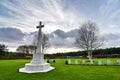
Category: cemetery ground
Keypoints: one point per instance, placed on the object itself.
(9, 71)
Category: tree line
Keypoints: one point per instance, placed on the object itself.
(99, 53)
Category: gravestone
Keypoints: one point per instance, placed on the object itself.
(83, 61)
(76, 61)
(99, 62)
(91, 62)
(69, 61)
(108, 62)
(118, 62)
(38, 64)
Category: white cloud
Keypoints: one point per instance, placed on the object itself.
(27, 13)
(112, 43)
(108, 11)
(113, 26)
(57, 50)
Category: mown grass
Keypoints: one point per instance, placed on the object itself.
(9, 71)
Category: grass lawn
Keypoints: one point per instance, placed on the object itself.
(9, 71)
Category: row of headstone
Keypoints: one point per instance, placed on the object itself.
(100, 62)
(91, 62)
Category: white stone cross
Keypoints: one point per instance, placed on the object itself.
(38, 64)
(38, 57)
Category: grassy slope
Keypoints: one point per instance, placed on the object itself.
(8, 71)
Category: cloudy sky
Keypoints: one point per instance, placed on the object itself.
(22, 16)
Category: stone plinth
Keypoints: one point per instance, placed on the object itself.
(36, 68)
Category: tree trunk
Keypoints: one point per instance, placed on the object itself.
(89, 55)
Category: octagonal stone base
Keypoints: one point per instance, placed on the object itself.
(36, 68)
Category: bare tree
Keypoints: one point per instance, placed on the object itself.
(23, 49)
(28, 49)
(32, 49)
(45, 42)
(3, 48)
(89, 38)
(20, 49)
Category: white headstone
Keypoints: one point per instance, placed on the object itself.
(83, 61)
(69, 61)
(118, 62)
(108, 62)
(99, 62)
(91, 62)
(76, 61)
(38, 64)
